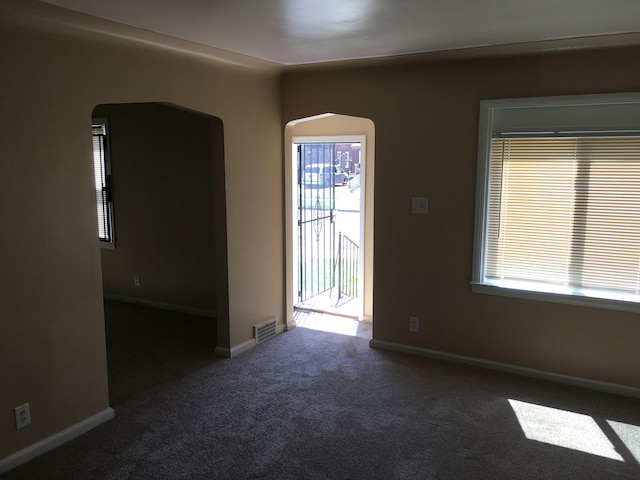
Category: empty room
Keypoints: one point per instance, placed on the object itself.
(498, 324)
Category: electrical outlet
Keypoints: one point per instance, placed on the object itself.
(420, 205)
(23, 416)
(136, 280)
(414, 324)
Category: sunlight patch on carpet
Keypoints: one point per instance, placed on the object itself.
(630, 436)
(563, 429)
(329, 323)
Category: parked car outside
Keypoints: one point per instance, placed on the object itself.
(324, 175)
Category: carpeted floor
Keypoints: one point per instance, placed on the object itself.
(310, 404)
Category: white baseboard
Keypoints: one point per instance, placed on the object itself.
(55, 440)
(222, 352)
(201, 312)
(606, 387)
(233, 351)
(243, 347)
(291, 325)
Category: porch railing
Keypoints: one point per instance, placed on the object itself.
(347, 270)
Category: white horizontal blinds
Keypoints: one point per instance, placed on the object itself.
(531, 209)
(565, 211)
(101, 179)
(609, 217)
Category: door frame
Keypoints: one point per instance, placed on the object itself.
(334, 128)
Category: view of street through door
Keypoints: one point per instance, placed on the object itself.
(329, 228)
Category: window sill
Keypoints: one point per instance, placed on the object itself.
(605, 300)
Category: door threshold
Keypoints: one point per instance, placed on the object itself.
(327, 311)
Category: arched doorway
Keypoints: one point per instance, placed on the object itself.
(164, 268)
(309, 201)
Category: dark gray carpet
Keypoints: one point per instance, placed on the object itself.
(315, 405)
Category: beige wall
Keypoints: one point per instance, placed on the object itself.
(426, 119)
(162, 168)
(56, 68)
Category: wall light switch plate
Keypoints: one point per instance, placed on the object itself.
(419, 205)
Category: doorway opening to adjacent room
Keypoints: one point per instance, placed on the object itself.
(164, 270)
(329, 207)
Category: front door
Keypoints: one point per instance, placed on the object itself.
(316, 219)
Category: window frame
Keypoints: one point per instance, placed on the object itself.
(580, 113)
(109, 243)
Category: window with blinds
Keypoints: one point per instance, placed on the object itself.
(565, 211)
(102, 181)
(559, 209)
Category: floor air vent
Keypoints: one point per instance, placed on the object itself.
(265, 330)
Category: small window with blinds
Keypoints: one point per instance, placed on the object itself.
(558, 214)
(102, 175)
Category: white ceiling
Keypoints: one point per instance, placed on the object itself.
(294, 32)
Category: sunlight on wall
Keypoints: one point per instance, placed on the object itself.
(564, 429)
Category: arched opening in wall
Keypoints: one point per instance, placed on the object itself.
(159, 175)
(329, 171)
